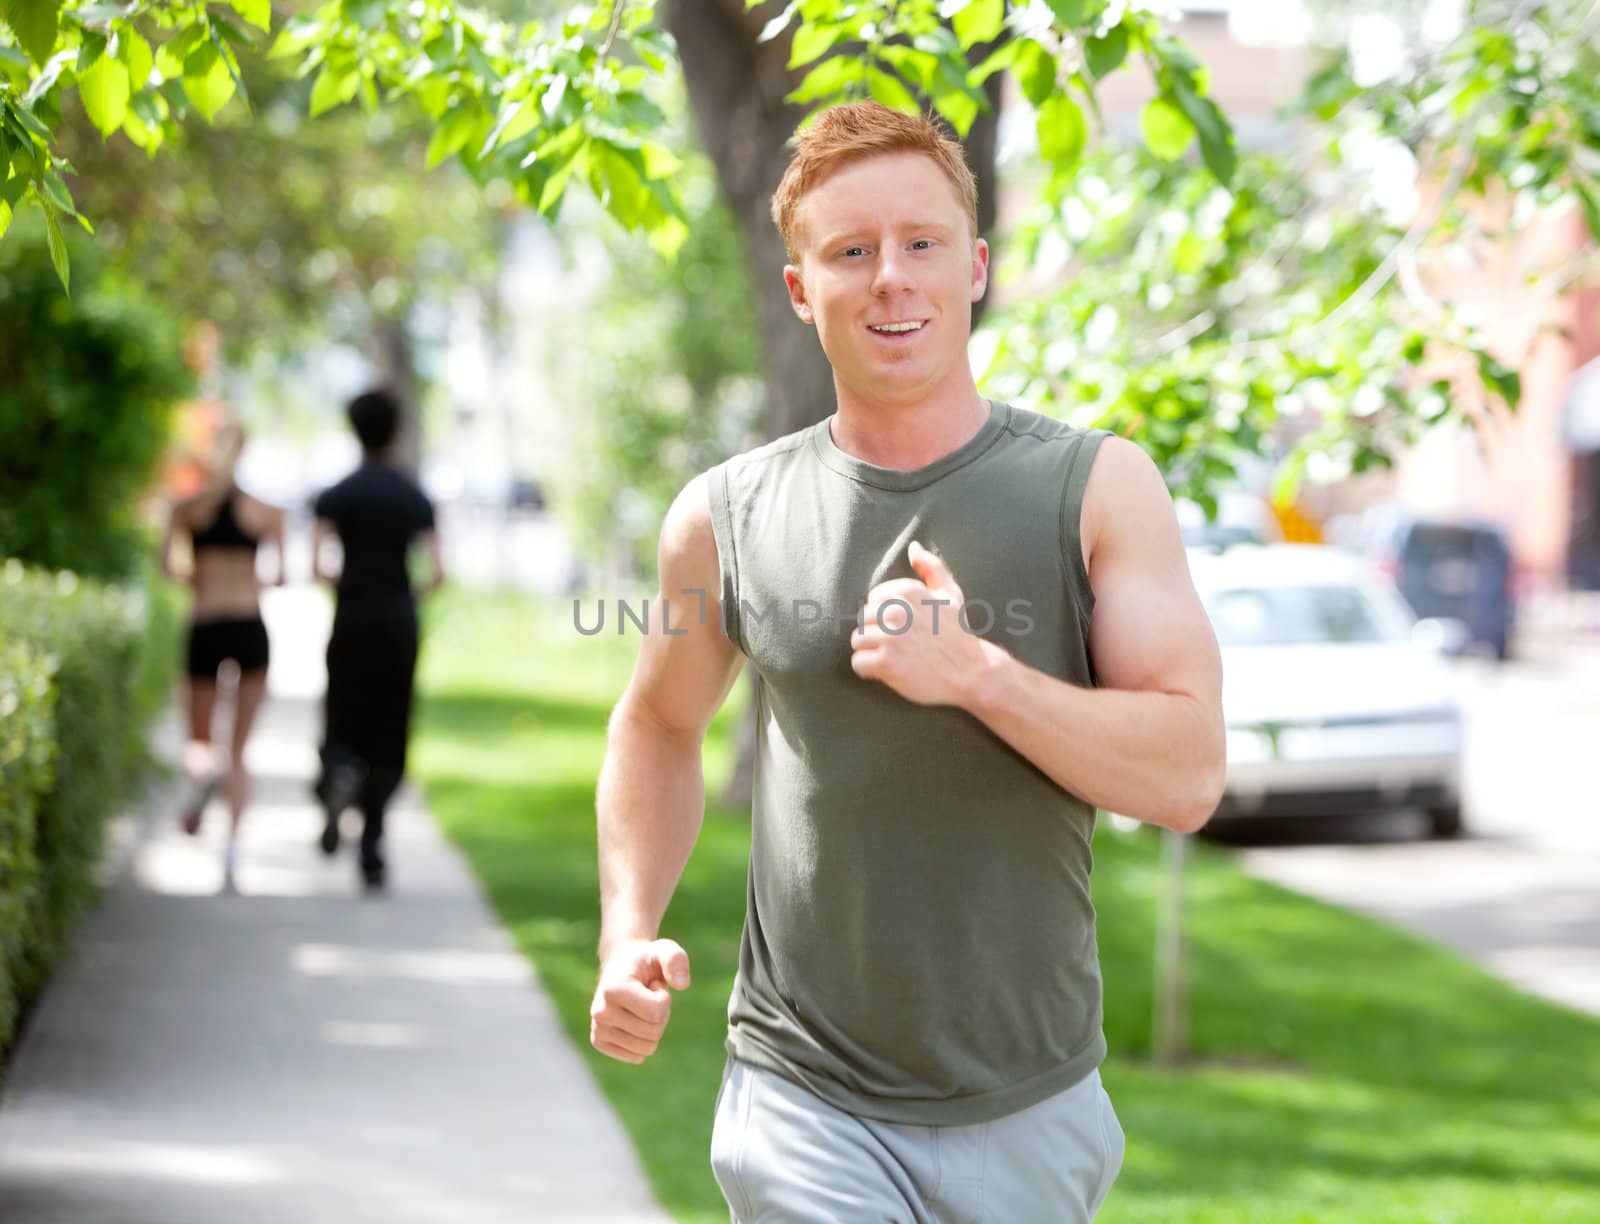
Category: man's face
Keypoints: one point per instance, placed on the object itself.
(888, 273)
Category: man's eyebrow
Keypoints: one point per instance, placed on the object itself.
(925, 227)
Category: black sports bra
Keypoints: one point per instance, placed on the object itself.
(224, 531)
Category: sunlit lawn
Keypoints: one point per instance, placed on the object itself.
(1343, 1072)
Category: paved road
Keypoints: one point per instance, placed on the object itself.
(1521, 892)
(301, 1053)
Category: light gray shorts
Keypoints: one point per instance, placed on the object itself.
(781, 1153)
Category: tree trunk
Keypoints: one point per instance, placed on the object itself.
(736, 90)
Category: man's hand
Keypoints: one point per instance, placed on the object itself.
(634, 997)
(924, 654)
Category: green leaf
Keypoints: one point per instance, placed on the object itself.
(1166, 130)
(207, 81)
(516, 120)
(959, 108)
(1105, 55)
(1589, 197)
(368, 13)
(136, 57)
(5, 218)
(979, 21)
(58, 247)
(1216, 136)
(556, 185)
(667, 236)
(915, 66)
(1071, 13)
(1506, 382)
(620, 186)
(999, 59)
(938, 41)
(1063, 132)
(639, 113)
(139, 132)
(1326, 92)
(659, 162)
(34, 24)
(453, 131)
(170, 55)
(336, 85)
(232, 65)
(826, 80)
(890, 90)
(812, 42)
(296, 37)
(104, 89)
(257, 12)
(554, 95)
(1036, 72)
(30, 121)
(14, 188)
(55, 190)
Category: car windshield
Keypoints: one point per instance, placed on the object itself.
(1302, 615)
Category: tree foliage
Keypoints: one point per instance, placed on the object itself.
(293, 230)
(86, 389)
(665, 358)
(546, 103)
(1213, 297)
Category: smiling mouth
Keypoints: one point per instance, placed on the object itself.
(897, 329)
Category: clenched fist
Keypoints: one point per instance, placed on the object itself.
(911, 637)
(634, 997)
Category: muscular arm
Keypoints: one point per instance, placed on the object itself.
(652, 794)
(429, 540)
(1149, 741)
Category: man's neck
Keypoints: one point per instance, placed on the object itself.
(904, 437)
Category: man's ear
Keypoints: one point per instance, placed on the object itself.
(980, 269)
(797, 294)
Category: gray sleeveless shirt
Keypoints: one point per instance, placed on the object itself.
(919, 942)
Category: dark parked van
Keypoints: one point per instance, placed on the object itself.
(1452, 569)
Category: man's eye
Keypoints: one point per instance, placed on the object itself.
(855, 250)
(922, 244)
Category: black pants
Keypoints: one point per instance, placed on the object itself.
(372, 662)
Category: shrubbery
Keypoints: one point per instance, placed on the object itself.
(87, 385)
(83, 667)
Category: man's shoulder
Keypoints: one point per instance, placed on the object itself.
(778, 450)
(1025, 423)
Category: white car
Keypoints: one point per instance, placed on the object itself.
(1336, 698)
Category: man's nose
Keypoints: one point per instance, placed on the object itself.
(891, 274)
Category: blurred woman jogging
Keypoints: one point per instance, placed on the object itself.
(224, 527)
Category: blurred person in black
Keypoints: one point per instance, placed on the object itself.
(377, 513)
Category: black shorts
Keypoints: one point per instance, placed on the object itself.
(210, 642)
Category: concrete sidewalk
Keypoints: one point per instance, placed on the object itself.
(301, 1052)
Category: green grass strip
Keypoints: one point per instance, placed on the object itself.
(1342, 1072)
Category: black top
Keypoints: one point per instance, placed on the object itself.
(377, 511)
(224, 531)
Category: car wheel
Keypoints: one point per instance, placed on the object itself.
(1446, 820)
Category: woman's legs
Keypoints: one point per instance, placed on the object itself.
(251, 689)
(199, 762)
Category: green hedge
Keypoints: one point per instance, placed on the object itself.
(87, 386)
(83, 668)
(27, 753)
